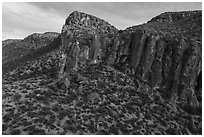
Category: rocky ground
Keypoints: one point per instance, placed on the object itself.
(100, 100)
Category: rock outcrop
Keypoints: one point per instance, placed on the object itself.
(163, 52)
(144, 80)
(81, 39)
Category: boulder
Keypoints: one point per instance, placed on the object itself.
(93, 97)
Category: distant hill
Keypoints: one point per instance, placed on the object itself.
(8, 41)
(17, 52)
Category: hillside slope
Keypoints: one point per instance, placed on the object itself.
(146, 79)
(17, 52)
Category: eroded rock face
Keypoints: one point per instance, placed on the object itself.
(83, 40)
(164, 59)
(113, 85)
(88, 21)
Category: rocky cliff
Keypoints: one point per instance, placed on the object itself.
(163, 52)
(144, 80)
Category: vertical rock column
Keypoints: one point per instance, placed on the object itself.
(148, 56)
(190, 73)
(95, 52)
(70, 50)
(156, 76)
(136, 48)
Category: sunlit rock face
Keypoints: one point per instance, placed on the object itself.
(162, 52)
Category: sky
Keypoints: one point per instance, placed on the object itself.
(22, 19)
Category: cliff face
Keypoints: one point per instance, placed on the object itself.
(162, 52)
(145, 79)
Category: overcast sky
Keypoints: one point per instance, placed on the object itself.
(22, 19)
